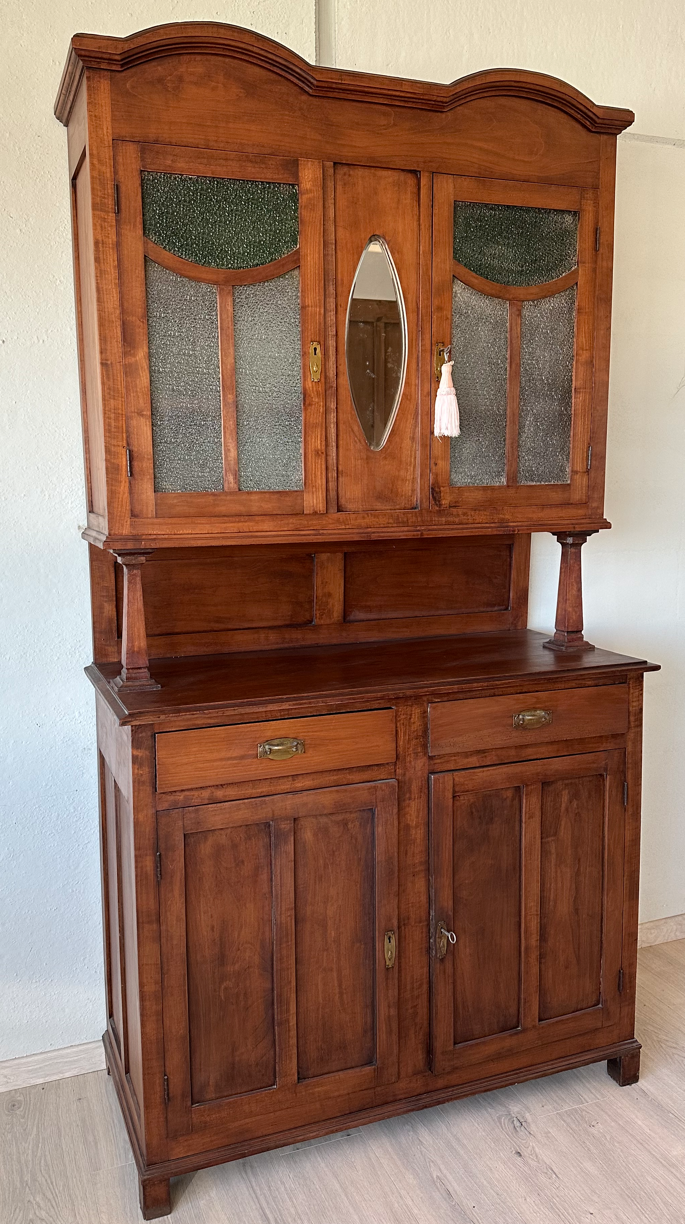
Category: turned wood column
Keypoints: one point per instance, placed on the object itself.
(568, 633)
(135, 672)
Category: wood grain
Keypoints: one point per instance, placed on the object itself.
(460, 726)
(224, 754)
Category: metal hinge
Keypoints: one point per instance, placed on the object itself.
(597, 233)
(129, 469)
(620, 981)
(158, 858)
(625, 794)
(116, 197)
(589, 458)
(166, 1089)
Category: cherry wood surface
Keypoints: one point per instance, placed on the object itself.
(216, 755)
(298, 893)
(341, 672)
(274, 969)
(488, 722)
(162, 100)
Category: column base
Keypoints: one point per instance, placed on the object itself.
(567, 641)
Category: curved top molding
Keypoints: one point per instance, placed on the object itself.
(215, 38)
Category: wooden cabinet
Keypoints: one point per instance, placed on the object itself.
(368, 843)
(527, 878)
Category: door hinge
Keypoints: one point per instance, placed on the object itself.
(129, 469)
(166, 1089)
(620, 981)
(158, 862)
(116, 197)
(625, 794)
(597, 234)
(589, 458)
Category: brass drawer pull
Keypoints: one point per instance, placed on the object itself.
(280, 749)
(442, 936)
(529, 720)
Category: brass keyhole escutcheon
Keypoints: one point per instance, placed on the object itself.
(315, 361)
(443, 936)
(389, 948)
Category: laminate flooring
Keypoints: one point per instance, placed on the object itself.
(569, 1149)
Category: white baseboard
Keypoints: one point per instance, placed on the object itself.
(51, 1065)
(661, 930)
(82, 1059)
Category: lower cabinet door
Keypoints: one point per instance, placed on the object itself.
(278, 920)
(527, 892)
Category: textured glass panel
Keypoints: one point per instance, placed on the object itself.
(220, 222)
(185, 388)
(268, 376)
(375, 346)
(479, 348)
(513, 245)
(547, 337)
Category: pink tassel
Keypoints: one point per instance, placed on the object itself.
(446, 406)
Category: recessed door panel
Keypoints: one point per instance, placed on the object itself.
(377, 316)
(571, 881)
(229, 941)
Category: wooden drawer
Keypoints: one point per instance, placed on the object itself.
(213, 756)
(489, 722)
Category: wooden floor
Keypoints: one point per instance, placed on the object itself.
(571, 1148)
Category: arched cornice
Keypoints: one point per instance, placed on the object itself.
(215, 38)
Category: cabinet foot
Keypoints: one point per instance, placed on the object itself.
(155, 1197)
(626, 1069)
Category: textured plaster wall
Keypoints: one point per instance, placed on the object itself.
(626, 52)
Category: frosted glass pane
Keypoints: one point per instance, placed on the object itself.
(479, 349)
(220, 222)
(185, 387)
(546, 397)
(268, 375)
(513, 245)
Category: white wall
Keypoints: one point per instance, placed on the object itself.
(621, 52)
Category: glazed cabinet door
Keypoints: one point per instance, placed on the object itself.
(514, 296)
(221, 287)
(278, 920)
(527, 898)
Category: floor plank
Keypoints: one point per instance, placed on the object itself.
(568, 1149)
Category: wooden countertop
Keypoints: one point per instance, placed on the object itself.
(377, 670)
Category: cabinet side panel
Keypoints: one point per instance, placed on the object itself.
(130, 941)
(335, 942)
(113, 915)
(571, 869)
(487, 913)
(89, 348)
(229, 926)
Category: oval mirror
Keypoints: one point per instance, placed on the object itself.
(376, 342)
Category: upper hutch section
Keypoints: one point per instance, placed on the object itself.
(271, 259)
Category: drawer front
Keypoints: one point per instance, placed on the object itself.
(527, 718)
(213, 756)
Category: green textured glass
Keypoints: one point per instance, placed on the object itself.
(220, 222)
(513, 245)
